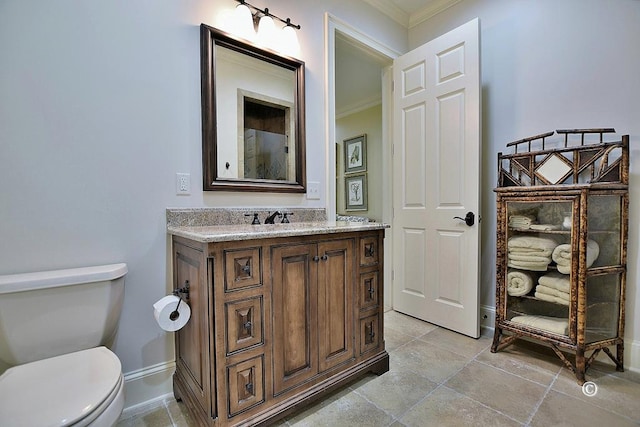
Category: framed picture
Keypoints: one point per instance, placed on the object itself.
(356, 192)
(355, 154)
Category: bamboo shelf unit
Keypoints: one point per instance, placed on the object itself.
(562, 223)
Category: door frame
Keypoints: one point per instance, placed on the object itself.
(332, 24)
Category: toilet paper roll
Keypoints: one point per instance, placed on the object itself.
(164, 310)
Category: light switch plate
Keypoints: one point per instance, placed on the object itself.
(313, 190)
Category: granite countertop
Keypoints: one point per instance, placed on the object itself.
(225, 233)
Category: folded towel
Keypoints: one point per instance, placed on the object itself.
(550, 324)
(562, 256)
(529, 265)
(519, 256)
(544, 227)
(541, 244)
(519, 283)
(551, 298)
(555, 281)
(553, 292)
(521, 221)
(552, 295)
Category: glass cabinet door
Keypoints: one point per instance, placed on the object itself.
(538, 259)
(604, 258)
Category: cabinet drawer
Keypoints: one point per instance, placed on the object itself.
(369, 251)
(246, 384)
(369, 290)
(369, 333)
(243, 323)
(242, 269)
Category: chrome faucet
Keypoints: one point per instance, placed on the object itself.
(271, 218)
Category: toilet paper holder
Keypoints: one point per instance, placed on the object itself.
(179, 292)
(183, 290)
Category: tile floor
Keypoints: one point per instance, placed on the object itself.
(441, 378)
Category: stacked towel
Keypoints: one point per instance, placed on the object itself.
(519, 283)
(554, 287)
(556, 281)
(562, 256)
(550, 324)
(521, 221)
(544, 227)
(530, 252)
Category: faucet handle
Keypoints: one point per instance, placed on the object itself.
(256, 220)
(285, 220)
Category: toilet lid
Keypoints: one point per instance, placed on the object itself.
(58, 391)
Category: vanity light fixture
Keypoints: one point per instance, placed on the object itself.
(248, 16)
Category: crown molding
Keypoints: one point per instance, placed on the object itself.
(391, 10)
(361, 105)
(434, 8)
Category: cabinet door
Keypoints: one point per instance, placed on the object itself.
(243, 324)
(192, 341)
(335, 302)
(295, 334)
(540, 253)
(369, 333)
(246, 385)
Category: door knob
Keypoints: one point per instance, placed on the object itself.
(469, 218)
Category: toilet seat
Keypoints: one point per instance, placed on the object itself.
(76, 388)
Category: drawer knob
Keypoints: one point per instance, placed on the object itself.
(369, 250)
(247, 326)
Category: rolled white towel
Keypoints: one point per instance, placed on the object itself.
(519, 283)
(550, 324)
(556, 281)
(562, 256)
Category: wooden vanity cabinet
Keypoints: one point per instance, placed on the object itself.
(276, 323)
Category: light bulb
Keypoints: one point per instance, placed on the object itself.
(289, 44)
(243, 25)
(267, 32)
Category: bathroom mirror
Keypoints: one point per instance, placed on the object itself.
(253, 133)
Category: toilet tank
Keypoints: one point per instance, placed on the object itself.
(49, 313)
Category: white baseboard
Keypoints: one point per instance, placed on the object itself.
(487, 318)
(632, 356)
(146, 387)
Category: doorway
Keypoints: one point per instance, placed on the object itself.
(359, 77)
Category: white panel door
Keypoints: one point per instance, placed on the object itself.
(436, 177)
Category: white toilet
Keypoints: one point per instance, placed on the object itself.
(54, 327)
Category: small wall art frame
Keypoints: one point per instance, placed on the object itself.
(355, 154)
(356, 192)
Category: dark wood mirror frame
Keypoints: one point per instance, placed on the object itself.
(210, 38)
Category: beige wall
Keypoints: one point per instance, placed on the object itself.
(367, 122)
